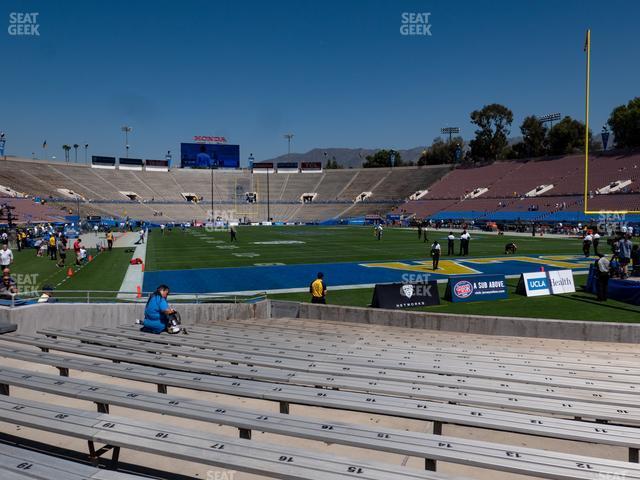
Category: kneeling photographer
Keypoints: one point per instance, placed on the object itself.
(158, 315)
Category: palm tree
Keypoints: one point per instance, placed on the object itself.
(66, 149)
(75, 146)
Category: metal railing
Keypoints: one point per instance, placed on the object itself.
(109, 296)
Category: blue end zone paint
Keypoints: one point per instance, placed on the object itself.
(260, 279)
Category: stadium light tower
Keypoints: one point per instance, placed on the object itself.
(288, 136)
(449, 131)
(127, 130)
(549, 118)
(86, 146)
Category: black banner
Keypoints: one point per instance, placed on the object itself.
(136, 162)
(311, 166)
(97, 160)
(405, 295)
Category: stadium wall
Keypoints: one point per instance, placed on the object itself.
(32, 318)
(476, 324)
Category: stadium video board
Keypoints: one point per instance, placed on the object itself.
(209, 155)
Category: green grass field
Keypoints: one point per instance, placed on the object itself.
(200, 249)
(197, 249)
(105, 272)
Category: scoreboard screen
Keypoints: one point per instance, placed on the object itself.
(209, 155)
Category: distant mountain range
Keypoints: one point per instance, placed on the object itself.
(347, 157)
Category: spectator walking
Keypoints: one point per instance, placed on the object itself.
(232, 234)
(62, 250)
(451, 239)
(8, 287)
(109, 240)
(624, 254)
(318, 289)
(464, 243)
(6, 257)
(602, 275)
(77, 245)
(596, 242)
(435, 254)
(52, 247)
(586, 244)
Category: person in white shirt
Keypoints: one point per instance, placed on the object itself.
(586, 244)
(162, 227)
(602, 274)
(435, 254)
(596, 241)
(6, 256)
(630, 230)
(450, 243)
(464, 243)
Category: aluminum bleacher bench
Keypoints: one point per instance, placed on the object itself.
(258, 458)
(519, 460)
(436, 362)
(625, 415)
(23, 464)
(439, 413)
(417, 339)
(561, 387)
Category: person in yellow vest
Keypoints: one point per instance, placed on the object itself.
(110, 239)
(318, 289)
(52, 247)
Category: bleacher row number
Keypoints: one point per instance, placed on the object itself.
(284, 458)
(355, 470)
(24, 466)
(18, 407)
(218, 446)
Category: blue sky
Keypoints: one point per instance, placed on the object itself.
(334, 73)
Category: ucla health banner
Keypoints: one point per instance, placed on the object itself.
(474, 288)
(536, 284)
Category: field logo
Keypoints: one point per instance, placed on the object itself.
(463, 289)
(407, 290)
(24, 24)
(415, 24)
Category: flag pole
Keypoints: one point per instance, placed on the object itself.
(587, 48)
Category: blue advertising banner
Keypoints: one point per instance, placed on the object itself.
(475, 288)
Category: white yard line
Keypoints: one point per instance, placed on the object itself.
(135, 274)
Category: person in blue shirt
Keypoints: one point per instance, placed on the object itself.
(156, 311)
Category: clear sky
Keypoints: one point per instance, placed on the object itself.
(334, 73)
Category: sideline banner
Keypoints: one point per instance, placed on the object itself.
(405, 295)
(536, 284)
(474, 288)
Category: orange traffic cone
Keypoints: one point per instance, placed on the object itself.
(139, 294)
(90, 257)
(70, 272)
